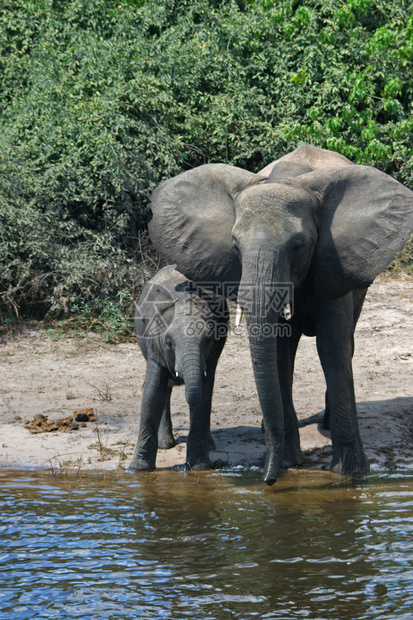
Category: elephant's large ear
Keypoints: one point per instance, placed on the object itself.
(365, 217)
(193, 217)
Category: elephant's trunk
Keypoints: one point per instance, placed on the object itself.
(264, 362)
(191, 365)
(262, 319)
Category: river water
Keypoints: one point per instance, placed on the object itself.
(210, 546)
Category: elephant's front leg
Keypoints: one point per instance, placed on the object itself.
(335, 327)
(358, 300)
(286, 350)
(154, 399)
(326, 416)
(199, 437)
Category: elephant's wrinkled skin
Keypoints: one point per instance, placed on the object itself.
(181, 331)
(311, 218)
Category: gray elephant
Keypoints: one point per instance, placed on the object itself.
(181, 330)
(308, 234)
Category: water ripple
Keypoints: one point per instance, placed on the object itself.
(205, 547)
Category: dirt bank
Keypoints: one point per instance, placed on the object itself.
(56, 377)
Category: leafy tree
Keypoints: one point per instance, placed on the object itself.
(101, 100)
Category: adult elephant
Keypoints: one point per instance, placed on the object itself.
(313, 219)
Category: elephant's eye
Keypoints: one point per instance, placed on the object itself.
(298, 246)
(169, 344)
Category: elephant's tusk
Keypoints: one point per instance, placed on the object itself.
(238, 316)
(205, 373)
(176, 374)
(286, 312)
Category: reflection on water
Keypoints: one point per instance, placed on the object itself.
(205, 546)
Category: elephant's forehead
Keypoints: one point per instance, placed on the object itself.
(275, 200)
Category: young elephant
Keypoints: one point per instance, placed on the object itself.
(181, 330)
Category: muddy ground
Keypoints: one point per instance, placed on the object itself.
(45, 375)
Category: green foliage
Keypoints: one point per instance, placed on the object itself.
(403, 263)
(101, 100)
(114, 320)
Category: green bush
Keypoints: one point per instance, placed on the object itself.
(102, 100)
